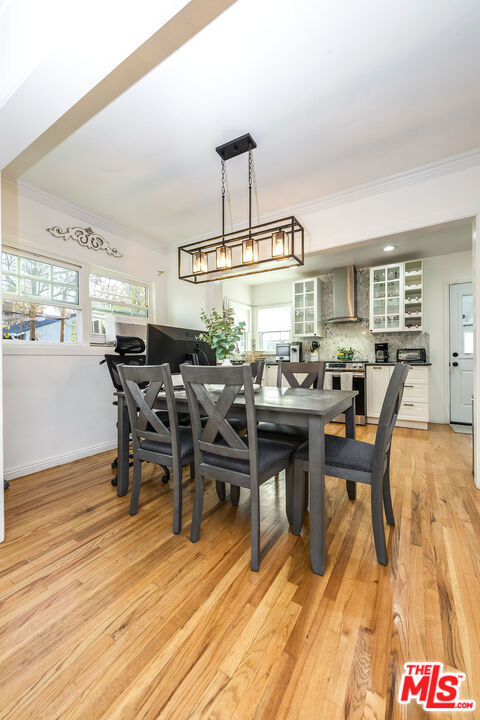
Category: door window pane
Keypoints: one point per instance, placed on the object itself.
(467, 333)
(467, 309)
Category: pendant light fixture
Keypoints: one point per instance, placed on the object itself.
(257, 248)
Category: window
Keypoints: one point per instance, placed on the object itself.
(110, 296)
(40, 299)
(243, 313)
(273, 326)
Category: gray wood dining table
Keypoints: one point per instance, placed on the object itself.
(311, 409)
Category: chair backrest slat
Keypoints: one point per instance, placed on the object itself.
(142, 386)
(388, 417)
(202, 399)
(314, 374)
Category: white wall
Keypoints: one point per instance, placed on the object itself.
(439, 272)
(57, 400)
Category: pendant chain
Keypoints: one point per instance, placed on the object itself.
(255, 189)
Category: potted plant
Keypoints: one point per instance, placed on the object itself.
(345, 354)
(221, 332)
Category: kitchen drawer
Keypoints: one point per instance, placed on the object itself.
(413, 411)
(417, 375)
(415, 392)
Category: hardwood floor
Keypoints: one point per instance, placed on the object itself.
(104, 615)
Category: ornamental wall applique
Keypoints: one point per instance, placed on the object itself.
(85, 237)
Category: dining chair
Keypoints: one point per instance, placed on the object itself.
(314, 377)
(220, 452)
(358, 461)
(257, 368)
(153, 440)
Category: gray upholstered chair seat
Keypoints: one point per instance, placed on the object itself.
(282, 433)
(343, 453)
(270, 454)
(165, 448)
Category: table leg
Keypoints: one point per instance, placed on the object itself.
(350, 433)
(123, 447)
(316, 462)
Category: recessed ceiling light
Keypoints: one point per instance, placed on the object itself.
(389, 248)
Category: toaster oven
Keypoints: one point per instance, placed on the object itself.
(412, 355)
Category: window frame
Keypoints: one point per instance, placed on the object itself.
(84, 343)
(259, 333)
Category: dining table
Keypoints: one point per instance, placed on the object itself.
(310, 409)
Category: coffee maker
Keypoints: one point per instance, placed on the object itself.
(381, 352)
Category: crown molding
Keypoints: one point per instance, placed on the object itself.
(53, 201)
(414, 176)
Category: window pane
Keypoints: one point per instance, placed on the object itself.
(467, 309)
(65, 294)
(118, 296)
(9, 263)
(65, 276)
(35, 268)
(270, 340)
(467, 340)
(35, 288)
(10, 284)
(29, 321)
(274, 318)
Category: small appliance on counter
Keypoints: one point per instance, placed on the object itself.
(381, 352)
(282, 351)
(295, 352)
(412, 355)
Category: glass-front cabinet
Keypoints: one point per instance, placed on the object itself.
(306, 307)
(396, 297)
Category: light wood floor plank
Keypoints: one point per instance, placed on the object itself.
(107, 616)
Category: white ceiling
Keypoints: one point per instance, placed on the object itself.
(431, 241)
(336, 94)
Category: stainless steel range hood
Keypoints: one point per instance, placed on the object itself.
(344, 295)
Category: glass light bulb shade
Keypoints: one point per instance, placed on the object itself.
(199, 262)
(224, 257)
(249, 251)
(279, 243)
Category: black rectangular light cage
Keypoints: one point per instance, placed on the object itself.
(197, 262)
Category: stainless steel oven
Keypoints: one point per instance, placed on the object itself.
(358, 383)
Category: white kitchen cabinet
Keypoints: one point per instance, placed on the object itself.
(396, 297)
(414, 410)
(378, 377)
(307, 313)
(270, 375)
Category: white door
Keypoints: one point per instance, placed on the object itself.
(461, 352)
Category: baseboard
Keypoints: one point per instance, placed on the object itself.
(21, 470)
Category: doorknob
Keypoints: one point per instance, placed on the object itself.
(455, 364)
(455, 354)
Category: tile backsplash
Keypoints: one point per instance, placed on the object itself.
(357, 334)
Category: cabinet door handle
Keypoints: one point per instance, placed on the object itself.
(411, 386)
(408, 404)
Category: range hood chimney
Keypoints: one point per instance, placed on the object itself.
(344, 295)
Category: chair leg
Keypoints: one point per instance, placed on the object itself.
(137, 478)
(277, 477)
(306, 482)
(221, 492)
(177, 497)
(255, 528)
(298, 496)
(387, 498)
(377, 522)
(197, 508)
(351, 489)
(192, 470)
(235, 495)
(289, 492)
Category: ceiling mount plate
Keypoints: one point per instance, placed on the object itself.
(240, 145)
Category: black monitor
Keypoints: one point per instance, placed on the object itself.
(175, 346)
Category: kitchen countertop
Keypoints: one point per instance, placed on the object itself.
(413, 364)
